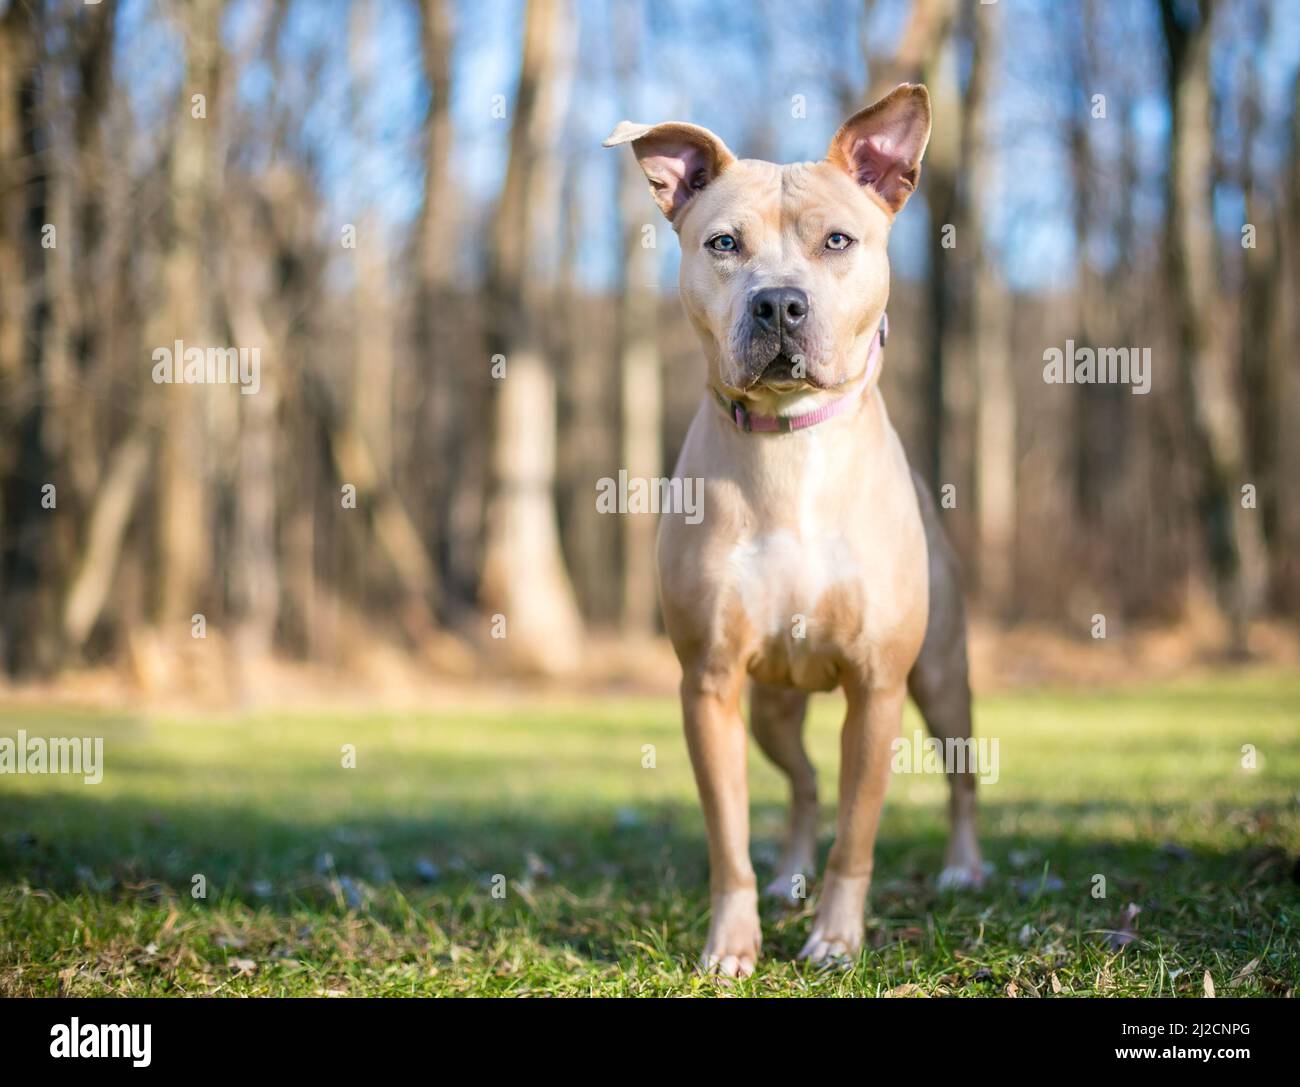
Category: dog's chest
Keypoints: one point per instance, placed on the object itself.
(801, 594)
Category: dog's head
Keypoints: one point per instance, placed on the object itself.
(784, 271)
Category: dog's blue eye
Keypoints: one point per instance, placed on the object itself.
(838, 241)
(722, 243)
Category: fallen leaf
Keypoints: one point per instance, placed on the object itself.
(1208, 984)
(1056, 983)
(1244, 973)
(906, 989)
(1127, 931)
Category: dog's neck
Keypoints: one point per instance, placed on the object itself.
(803, 406)
(794, 479)
(785, 404)
(803, 402)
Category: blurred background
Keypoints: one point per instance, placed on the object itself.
(385, 196)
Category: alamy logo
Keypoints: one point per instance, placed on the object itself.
(637, 495)
(78, 1039)
(56, 755)
(1103, 366)
(183, 365)
(954, 755)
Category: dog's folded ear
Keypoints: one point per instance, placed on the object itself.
(881, 146)
(677, 159)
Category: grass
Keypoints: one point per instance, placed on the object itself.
(378, 880)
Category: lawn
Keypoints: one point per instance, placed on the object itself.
(380, 879)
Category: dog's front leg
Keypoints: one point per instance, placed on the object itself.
(715, 736)
(870, 725)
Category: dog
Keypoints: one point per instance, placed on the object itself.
(820, 561)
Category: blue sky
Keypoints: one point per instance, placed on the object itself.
(716, 64)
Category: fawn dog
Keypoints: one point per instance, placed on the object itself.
(819, 561)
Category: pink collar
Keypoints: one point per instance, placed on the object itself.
(771, 424)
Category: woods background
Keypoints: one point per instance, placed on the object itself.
(383, 195)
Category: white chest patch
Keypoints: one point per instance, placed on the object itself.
(781, 576)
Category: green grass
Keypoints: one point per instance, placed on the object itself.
(321, 880)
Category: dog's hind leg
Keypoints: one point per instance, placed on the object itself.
(940, 684)
(776, 717)
(941, 691)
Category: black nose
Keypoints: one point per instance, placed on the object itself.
(779, 308)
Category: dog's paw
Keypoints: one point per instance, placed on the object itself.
(735, 936)
(831, 951)
(790, 889)
(838, 930)
(963, 877)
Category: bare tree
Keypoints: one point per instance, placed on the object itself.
(640, 364)
(524, 577)
(26, 577)
(1099, 443)
(1233, 538)
(995, 403)
(1261, 355)
(920, 57)
(1287, 550)
(452, 403)
(184, 313)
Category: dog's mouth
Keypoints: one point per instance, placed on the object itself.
(783, 371)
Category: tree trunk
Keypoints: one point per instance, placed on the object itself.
(1288, 425)
(640, 364)
(184, 536)
(995, 403)
(437, 235)
(110, 516)
(254, 566)
(524, 578)
(920, 57)
(641, 370)
(1233, 538)
(587, 444)
(28, 618)
(451, 403)
(1261, 363)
